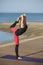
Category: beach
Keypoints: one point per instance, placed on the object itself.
(34, 28)
(31, 45)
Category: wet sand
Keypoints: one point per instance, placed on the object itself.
(34, 28)
(29, 48)
(32, 49)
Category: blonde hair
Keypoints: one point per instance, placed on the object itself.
(24, 14)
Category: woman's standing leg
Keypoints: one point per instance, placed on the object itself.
(16, 40)
(16, 50)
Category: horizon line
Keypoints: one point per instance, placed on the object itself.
(21, 12)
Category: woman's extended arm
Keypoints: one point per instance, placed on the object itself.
(14, 24)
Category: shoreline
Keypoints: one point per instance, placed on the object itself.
(25, 40)
(34, 29)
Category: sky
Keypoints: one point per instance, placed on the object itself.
(20, 6)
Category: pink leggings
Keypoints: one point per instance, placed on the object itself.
(16, 38)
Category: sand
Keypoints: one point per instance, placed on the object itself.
(29, 48)
(31, 45)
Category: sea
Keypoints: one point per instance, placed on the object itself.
(11, 17)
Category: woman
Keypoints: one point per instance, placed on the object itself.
(18, 31)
